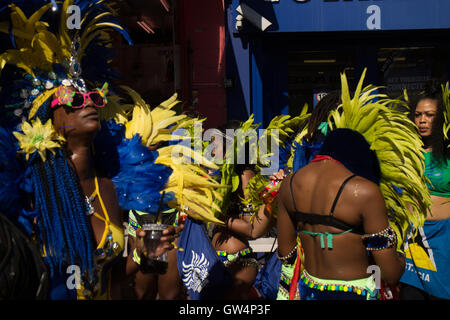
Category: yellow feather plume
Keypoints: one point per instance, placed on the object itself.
(39, 101)
(196, 193)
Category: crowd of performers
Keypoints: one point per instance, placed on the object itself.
(361, 187)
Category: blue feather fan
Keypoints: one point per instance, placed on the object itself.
(140, 180)
(132, 168)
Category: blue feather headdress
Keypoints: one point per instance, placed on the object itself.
(44, 54)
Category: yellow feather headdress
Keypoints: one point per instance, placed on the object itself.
(394, 138)
(285, 127)
(45, 54)
(446, 102)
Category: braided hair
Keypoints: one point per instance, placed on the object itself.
(23, 274)
(64, 229)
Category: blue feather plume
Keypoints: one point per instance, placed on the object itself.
(132, 168)
(11, 176)
(140, 179)
(283, 154)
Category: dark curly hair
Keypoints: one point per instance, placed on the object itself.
(353, 151)
(23, 274)
(320, 113)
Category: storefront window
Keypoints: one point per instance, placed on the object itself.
(314, 73)
(410, 68)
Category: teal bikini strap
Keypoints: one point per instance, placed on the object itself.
(328, 235)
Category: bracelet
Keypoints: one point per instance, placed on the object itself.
(133, 224)
(135, 257)
(285, 258)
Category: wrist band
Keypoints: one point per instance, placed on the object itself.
(136, 258)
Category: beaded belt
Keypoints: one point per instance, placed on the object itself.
(234, 256)
(245, 257)
(308, 281)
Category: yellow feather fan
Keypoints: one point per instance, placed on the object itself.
(195, 191)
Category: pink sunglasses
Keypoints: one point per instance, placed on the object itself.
(68, 97)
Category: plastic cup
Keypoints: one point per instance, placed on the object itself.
(152, 242)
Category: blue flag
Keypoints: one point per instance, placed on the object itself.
(428, 257)
(268, 279)
(202, 272)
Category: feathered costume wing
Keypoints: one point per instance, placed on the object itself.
(398, 146)
(41, 59)
(279, 132)
(446, 101)
(229, 176)
(268, 149)
(194, 191)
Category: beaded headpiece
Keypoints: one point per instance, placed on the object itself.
(44, 55)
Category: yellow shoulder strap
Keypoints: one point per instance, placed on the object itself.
(97, 193)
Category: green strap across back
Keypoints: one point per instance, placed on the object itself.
(322, 236)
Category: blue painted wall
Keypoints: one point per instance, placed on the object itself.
(351, 15)
(257, 61)
(238, 71)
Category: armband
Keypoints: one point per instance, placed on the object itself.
(384, 239)
(133, 224)
(290, 257)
